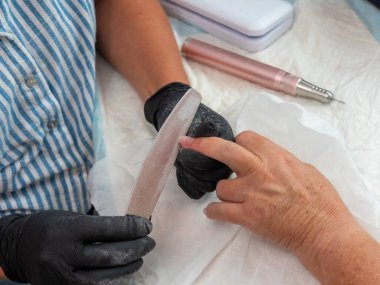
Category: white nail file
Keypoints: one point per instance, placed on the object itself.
(160, 159)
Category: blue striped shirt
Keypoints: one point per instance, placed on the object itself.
(47, 87)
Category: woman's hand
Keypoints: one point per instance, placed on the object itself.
(275, 194)
(285, 200)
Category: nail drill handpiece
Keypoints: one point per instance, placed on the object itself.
(254, 71)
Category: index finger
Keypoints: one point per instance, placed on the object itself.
(102, 229)
(260, 145)
(239, 159)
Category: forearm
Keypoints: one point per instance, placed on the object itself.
(136, 38)
(345, 256)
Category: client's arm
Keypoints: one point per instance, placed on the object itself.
(136, 38)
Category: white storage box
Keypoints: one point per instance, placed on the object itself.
(250, 24)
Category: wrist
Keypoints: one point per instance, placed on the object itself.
(165, 98)
(335, 249)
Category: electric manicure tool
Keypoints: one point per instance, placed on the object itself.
(160, 159)
(254, 71)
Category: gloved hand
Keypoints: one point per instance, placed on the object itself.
(57, 247)
(196, 173)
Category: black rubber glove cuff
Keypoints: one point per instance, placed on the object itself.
(167, 96)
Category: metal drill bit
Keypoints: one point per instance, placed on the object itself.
(338, 101)
(309, 90)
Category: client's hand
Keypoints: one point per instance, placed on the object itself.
(285, 200)
(196, 173)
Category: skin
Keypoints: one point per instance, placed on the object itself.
(292, 204)
(136, 38)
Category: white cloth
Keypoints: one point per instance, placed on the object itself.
(327, 45)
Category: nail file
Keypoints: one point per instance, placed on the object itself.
(160, 159)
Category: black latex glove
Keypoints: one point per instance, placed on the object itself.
(196, 173)
(57, 247)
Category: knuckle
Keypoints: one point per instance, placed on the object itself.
(285, 158)
(220, 187)
(251, 168)
(244, 136)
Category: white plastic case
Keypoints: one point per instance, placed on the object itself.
(250, 24)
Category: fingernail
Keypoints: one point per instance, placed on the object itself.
(185, 141)
(205, 211)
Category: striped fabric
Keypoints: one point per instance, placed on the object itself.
(47, 86)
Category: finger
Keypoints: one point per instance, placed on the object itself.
(257, 144)
(230, 190)
(102, 255)
(102, 229)
(224, 211)
(194, 188)
(233, 155)
(115, 275)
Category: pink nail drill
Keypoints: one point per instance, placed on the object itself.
(254, 71)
